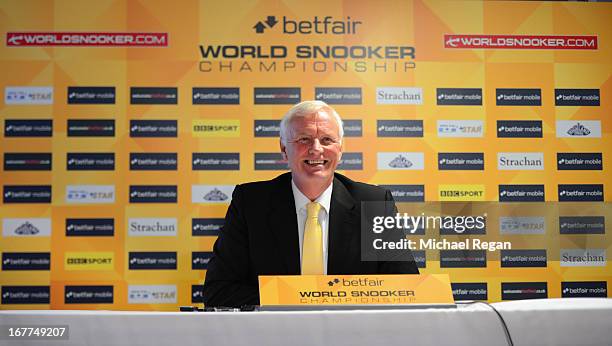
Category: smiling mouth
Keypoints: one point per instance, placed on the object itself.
(315, 162)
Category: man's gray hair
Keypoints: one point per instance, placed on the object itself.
(305, 108)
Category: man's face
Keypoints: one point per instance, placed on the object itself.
(313, 147)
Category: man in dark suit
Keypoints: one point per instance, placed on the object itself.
(306, 221)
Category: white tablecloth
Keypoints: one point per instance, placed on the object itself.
(533, 322)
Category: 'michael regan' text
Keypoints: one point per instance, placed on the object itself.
(434, 244)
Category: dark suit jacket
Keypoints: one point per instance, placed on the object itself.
(260, 237)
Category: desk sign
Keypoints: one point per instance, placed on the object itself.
(355, 290)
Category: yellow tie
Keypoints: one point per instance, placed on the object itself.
(312, 254)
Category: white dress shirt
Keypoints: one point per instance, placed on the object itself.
(300, 208)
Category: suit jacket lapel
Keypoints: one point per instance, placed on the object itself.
(283, 224)
(343, 226)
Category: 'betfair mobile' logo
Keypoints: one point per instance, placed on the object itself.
(26, 261)
(153, 194)
(153, 128)
(523, 258)
(206, 227)
(579, 161)
(582, 224)
(469, 290)
(26, 194)
(317, 25)
(90, 227)
(91, 95)
(28, 128)
(521, 193)
(339, 96)
(25, 295)
(216, 96)
(88, 294)
(583, 289)
(215, 161)
(461, 161)
(153, 161)
(89, 261)
(518, 97)
(399, 128)
(459, 96)
(581, 192)
(90, 161)
(152, 260)
(199, 260)
(406, 193)
(519, 129)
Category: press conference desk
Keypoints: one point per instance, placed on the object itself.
(534, 322)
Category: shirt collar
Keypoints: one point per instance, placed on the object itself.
(301, 200)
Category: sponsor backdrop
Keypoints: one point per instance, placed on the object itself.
(127, 124)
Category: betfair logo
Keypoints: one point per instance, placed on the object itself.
(332, 282)
(89, 261)
(317, 25)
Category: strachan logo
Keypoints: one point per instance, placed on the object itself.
(583, 257)
(316, 25)
(152, 227)
(520, 161)
(399, 96)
